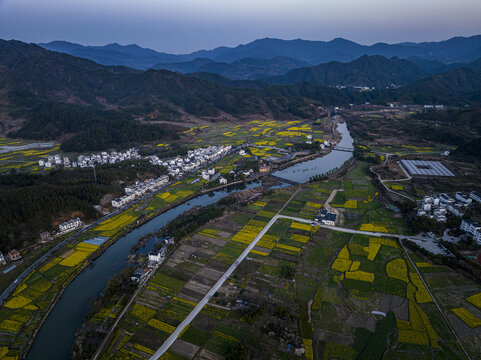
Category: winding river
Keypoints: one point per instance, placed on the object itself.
(55, 338)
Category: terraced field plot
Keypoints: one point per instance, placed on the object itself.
(27, 305)
(182, 282)
(459, 298)
(24, 159)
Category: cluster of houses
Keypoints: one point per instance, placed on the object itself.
(140, 188)
(192, 161)
(155, 258)
(437, 207)
(326, 218)
(84, 161)
(13, 255)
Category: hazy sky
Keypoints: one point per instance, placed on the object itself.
(180, 26)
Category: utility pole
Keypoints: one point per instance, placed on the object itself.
(95, 175)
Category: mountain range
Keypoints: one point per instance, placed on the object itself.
(51, 95)
(456, 49)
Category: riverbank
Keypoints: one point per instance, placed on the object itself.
(117, 248)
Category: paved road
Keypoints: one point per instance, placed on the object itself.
(166, 345)
(124, 310)
(170, 340)
(396, 180)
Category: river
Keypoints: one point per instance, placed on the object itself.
(55, 338)
(303, 171)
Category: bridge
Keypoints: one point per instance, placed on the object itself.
(287, 181)
(345, 149)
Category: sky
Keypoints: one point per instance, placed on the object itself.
(183, 26)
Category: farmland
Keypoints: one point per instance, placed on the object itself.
(334, 295)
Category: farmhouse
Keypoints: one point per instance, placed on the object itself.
(70, 225)
(14, 255)
(45, 237)
(2, 259)
(329, 220)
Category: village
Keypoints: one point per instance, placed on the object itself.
(437, 207)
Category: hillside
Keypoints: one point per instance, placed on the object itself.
(459, 83)
(91, 107)
(244, 69)
(373, 71)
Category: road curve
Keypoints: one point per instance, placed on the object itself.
(171, 339)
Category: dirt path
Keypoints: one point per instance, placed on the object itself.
(331, 209)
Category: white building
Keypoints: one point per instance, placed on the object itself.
(2, 259)
(155, 256)
(473, 228)
(70, 225)
(446, 199)
(242, 152)
(475, 196)
(222, 180)
(463, 198)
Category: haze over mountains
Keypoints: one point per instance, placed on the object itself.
(337, 62)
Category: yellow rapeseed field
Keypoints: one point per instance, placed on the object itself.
(289, 248)
(397, 269)
(76, 258)
(341, 265)
(116, 222)
(17, 302)
(372, 250)
(268, 241)
(309, 354)
(475, 300)
(355, 266)
(469, 319)
(300, 238)
(260, 203)
(257, 252)
(422, 296)
(360, 275)
(142, 312)
(163, 195)
(385, 242)
(344, 253)
(144, 349)
(300, 226)
(313, 205)
(169, 329)
(423, 264)
(10, 326)
(50, 264)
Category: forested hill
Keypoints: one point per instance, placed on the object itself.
(32, 69)
(373, 71)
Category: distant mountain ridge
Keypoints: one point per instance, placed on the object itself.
(367, 71)
(244, 69)
(457, 49)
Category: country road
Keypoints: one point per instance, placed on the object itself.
(171, 339)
